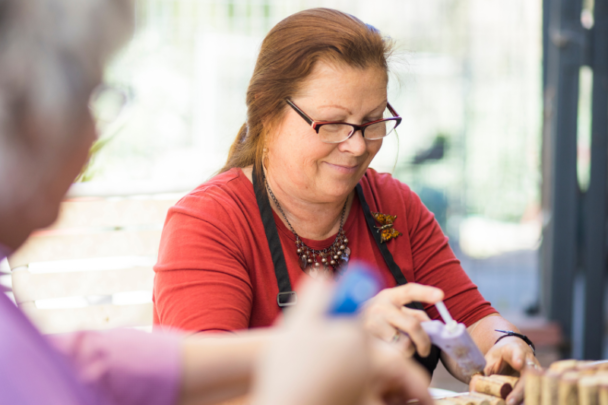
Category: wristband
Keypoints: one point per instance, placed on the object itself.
(508, 333)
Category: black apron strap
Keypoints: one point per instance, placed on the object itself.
(286, 295)
(429, 362)
(386, 254)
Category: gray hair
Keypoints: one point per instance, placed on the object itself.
(52, 54)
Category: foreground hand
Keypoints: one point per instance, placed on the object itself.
(314, 360)
(385, 315)
(396, 379)
(511, 356)
(332, 361)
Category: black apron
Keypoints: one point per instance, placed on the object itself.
(287, 297)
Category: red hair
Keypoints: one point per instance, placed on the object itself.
(287, 57)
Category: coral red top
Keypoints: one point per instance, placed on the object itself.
(215, 271)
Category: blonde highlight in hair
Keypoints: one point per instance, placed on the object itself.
(287, 57)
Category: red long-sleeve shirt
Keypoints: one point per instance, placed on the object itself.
(215, 271)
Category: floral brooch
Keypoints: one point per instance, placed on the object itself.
(386, 230)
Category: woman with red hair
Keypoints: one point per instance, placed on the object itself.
(297, 199)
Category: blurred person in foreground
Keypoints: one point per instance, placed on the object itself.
(297, 198)
(51, 58)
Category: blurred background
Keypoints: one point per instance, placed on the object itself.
(466, 79)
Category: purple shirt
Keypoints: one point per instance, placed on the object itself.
(107, 368)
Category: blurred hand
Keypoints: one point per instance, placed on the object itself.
(511, 356)
(396, 379)
(317, 360)
(385, 316)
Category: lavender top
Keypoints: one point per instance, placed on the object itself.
(119, 367)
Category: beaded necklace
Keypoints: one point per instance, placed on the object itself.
(332, 257)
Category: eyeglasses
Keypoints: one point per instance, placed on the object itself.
(337, 131)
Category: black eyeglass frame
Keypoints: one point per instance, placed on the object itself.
(316, 125)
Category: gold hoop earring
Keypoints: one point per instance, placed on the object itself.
(264, 157)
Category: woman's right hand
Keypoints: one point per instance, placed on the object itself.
(387, 318)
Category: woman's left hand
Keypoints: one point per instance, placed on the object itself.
(386, 317)
(511, 356)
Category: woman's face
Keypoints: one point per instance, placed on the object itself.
(298, 161)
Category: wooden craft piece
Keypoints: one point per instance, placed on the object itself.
(603, 394)
(461, 400)
(567, 382)
(549, 387)
(583, 364)
(445, 401)
(563, 365)
(471, 400)
(567, 390)
(588, 391)
(532, 390)
(490, 386)
(492, 400)
(506, 378)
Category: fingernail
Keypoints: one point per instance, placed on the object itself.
(511, 401)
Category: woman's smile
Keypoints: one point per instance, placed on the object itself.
(343, 168)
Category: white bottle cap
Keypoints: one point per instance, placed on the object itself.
(445, 315)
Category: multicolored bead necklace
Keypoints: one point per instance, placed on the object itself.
(332, 257)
